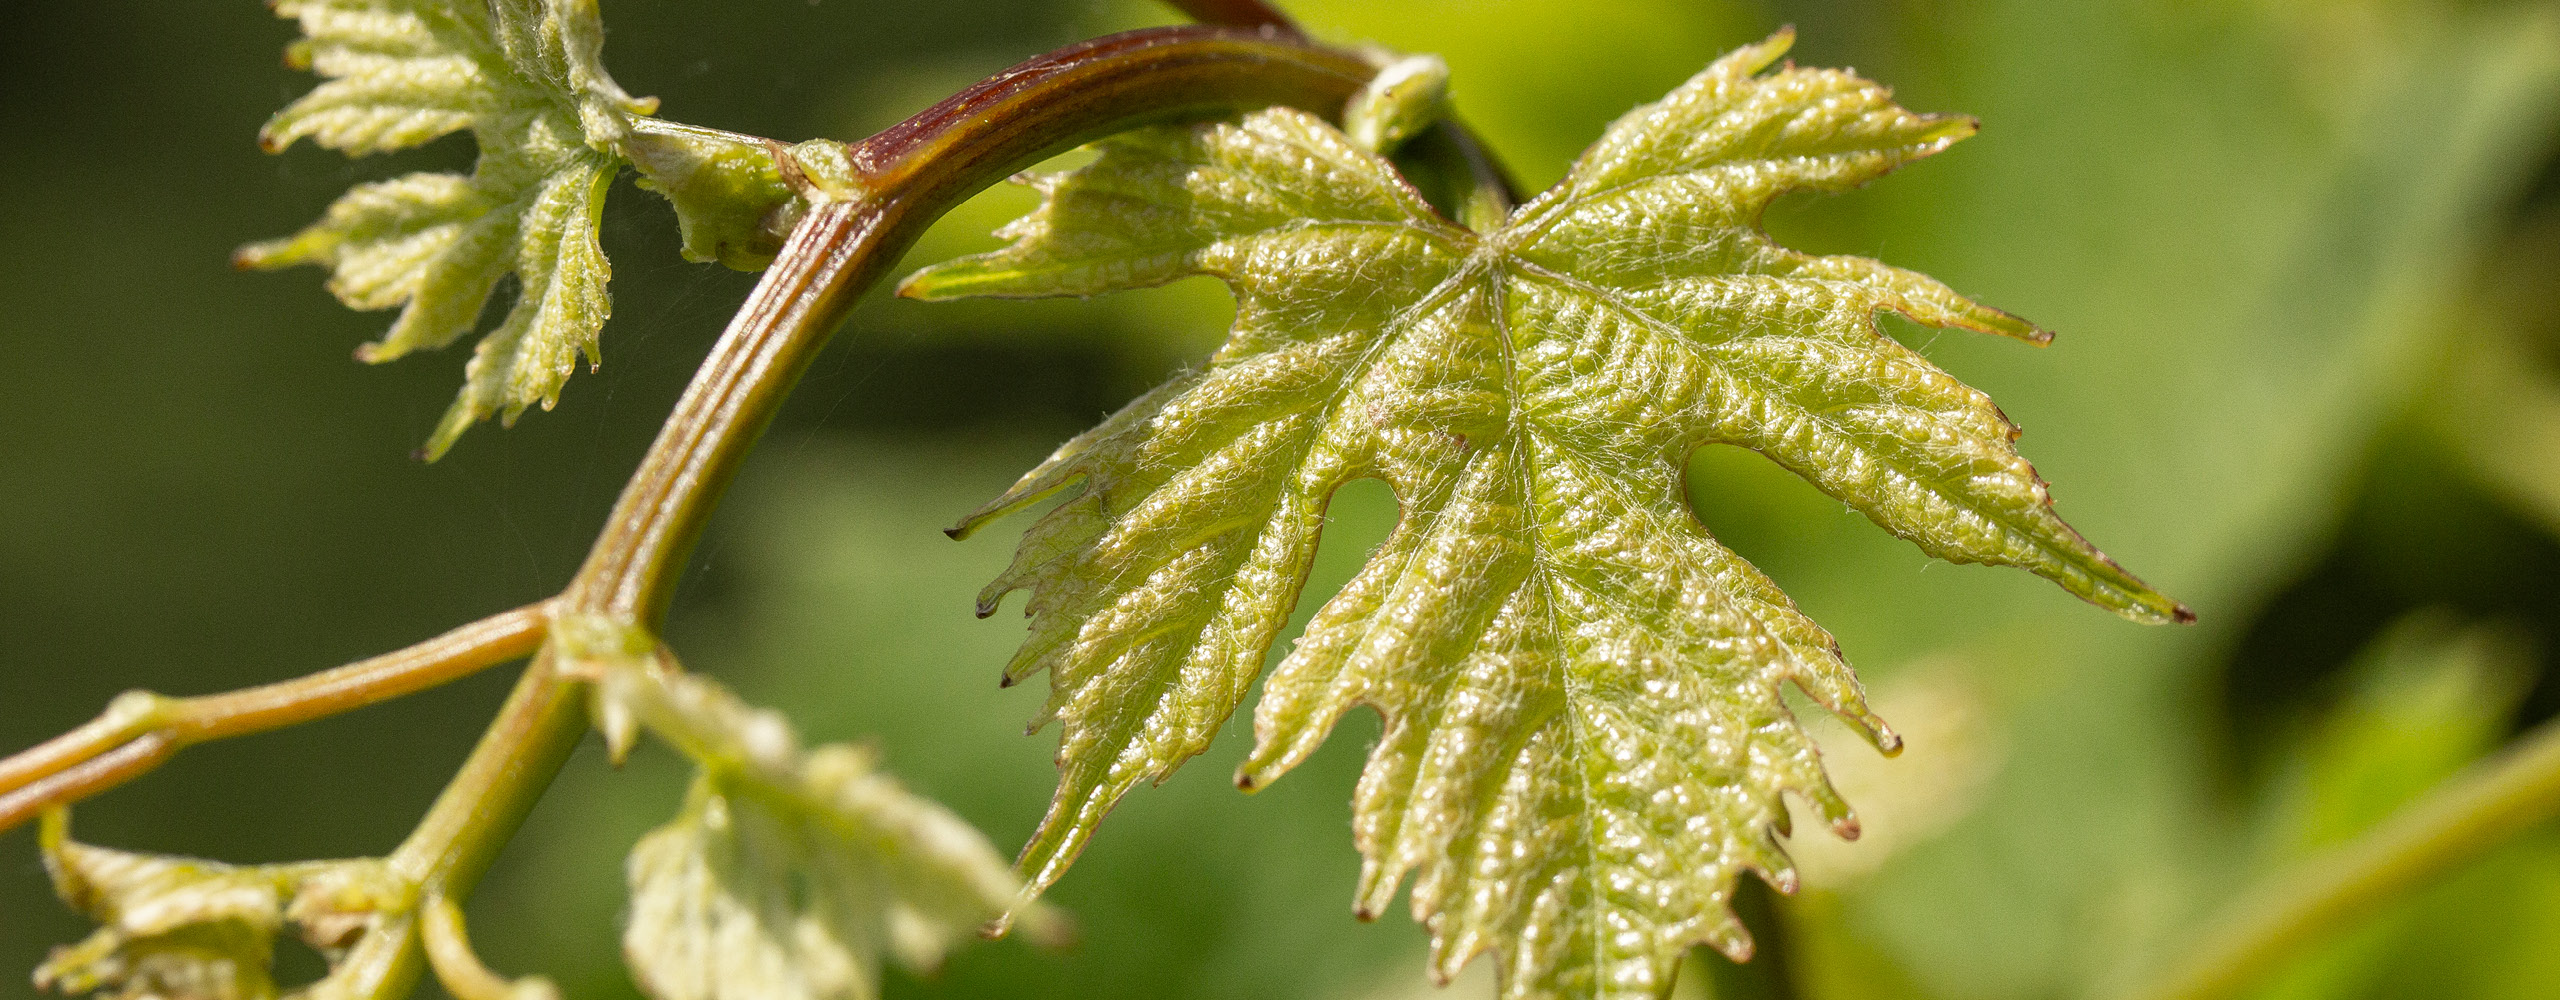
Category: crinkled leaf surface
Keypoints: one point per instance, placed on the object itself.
(525, 77)
(171, 928)
(1585, 741)
(175, 928)
(790, 871)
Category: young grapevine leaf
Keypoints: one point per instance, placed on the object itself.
(182, 929)
(1585, 740)
(525, 77)
(789, 871)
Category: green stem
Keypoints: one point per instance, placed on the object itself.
(2455, 824)
(448, 947)
(139, 730)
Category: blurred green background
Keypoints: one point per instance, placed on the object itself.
(2305, 262)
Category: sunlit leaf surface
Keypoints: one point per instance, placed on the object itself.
(1585, 742)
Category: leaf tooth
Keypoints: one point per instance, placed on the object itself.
(1081, 802)
(1813, 659)
(1048, 642)
(1766, 858)
(1053, 549)
(1923, 299)
(450, 293)
(1726, 934)
(1319, 680)
(1072, 461)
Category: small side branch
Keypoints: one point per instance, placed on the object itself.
(2455, 824)
(449, 952)
(140, 729)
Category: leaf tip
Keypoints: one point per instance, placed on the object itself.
(1732, 940)
(1947, 130)
(968, 526)
(1046, 927)
(448, 430)
(1759, 55)
(2151, 607)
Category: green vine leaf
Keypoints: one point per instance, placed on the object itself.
(182, 929)
(789, 872)
(526, 78)
(171, 927)
(1585, 740)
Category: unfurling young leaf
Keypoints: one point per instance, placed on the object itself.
(789, 872)
(1585, 741)
(182, 929)
(525, 77)
(171, 927)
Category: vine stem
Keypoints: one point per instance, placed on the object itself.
(141, 729)
(2456, 823)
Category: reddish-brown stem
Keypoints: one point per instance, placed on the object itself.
(907, 176)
